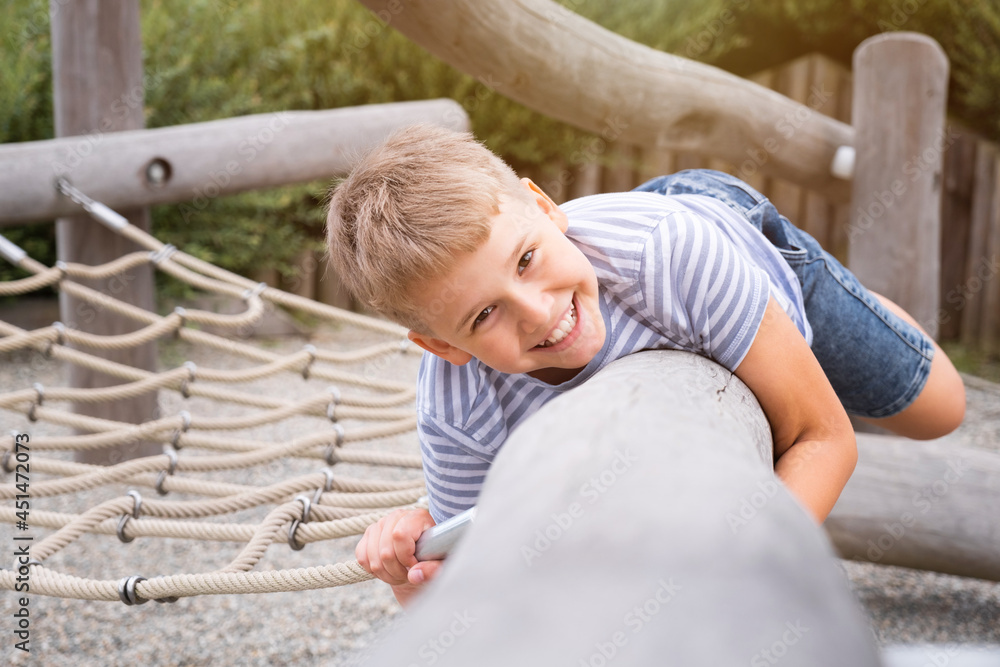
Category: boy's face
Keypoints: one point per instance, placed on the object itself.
(524, 302)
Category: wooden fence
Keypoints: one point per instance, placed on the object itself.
(970, 238)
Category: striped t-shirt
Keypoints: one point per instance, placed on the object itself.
(683, 272)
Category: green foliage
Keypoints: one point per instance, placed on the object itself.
(211, 59)
(25, 72)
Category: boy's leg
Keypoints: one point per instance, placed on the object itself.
(939, 407)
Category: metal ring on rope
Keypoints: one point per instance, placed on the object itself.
(331, 449)
(311, 349)
(182, 313)
(172, 454)
(331, 408)
(128, 595)
(306, 506)
(185, 425)
(192, 369)
(40, 390)
(60, 338)
(126, 590)
(60, 332)
(327, 485)
(136, 507)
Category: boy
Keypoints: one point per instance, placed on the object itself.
(516, 300)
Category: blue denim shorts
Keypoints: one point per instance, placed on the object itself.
(876, 362)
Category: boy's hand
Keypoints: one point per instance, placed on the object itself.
(387, 551)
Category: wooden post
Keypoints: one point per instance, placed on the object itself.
(984, 211)
(98, 88)
(900, 91)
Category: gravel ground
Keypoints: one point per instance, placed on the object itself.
(339, 626)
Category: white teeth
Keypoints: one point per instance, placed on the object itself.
(562, 329)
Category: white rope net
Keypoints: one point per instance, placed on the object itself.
(177, 494)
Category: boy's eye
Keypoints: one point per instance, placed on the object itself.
(482, 316)
(525, 261)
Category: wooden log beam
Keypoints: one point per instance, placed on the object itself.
(98, 84)
(197, 162)
(556, 62)
(610, 531)
(925, 505)
(900, 95)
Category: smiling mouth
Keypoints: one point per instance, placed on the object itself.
(563, 329)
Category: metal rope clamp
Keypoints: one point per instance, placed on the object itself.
(306, 506)
(327, 486)
(40, 392)
(60, 338)
(192, 369)
(172, 454)
(181, 313)
(256, 291)
(311, 349)
(136, 506)
(331, 449)
(331, 408)
(185, 425)
(159, 256)
(127, 594)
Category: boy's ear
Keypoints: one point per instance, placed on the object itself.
(441, 348)
(547, 206)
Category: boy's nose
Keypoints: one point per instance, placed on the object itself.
(535, 313)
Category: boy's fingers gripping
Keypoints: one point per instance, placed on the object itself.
(381, 546)
(368, 550)
(409, 528)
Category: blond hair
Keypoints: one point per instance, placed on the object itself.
(407, 209)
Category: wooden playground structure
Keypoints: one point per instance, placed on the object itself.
(878, 185)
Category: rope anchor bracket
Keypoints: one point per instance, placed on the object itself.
(306, 506)
(136, 507)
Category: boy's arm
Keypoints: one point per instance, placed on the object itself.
(814, 446)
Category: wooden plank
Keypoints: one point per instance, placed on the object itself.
(545, 57)
(656, 162)
(586, 180)
(747, 167)
(969, 301)
(792, 82)
(691, 161)
(988, 270)
(98, 85)
(841, 210)
(205, 160)
(956, 214)
(818, 214)
(555, 180)
(619, 172)
(900, 89)
(303, 283)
